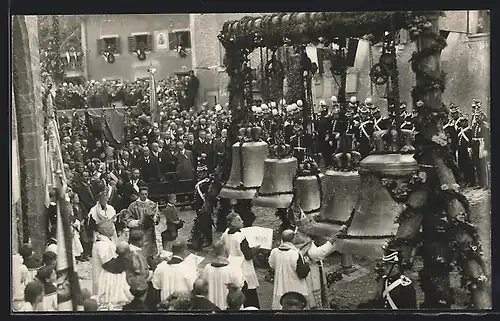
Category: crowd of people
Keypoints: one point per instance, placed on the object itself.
(154, 270)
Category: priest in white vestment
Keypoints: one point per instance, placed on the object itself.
(175, 275)
(102, 211)
(314, 256)
(289, 267)
(219, 273)
(241, 253)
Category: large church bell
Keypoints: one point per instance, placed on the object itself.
(373, 223)
(247, 168)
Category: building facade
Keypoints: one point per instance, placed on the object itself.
(158, 35)
(466, 60)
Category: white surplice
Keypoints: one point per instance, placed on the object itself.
(283, 260)
(109, 287)
(218, 277)
(170, 278)
(98, 214)
(232, 243)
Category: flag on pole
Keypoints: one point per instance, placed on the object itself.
(68, 287)
(155, 111)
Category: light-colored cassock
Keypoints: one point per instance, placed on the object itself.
(314, 255)
(218, 277)
(283, 260)
(109, 287)
(77, 244)
(98, 214)
(170, 278)
(232, 243)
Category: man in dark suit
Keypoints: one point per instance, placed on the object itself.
(150, 170)
(88, 199)
(185, 163)
(200, 146)
(168, 162)
(200, 293)
(130, 189)
(220, 147)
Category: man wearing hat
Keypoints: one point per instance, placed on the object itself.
(451, 129)
(398, 291)
(353, 104)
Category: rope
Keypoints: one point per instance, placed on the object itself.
(370, 51)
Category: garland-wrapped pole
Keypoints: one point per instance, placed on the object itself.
(449, 237)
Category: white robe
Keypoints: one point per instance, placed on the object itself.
(77, 244)
(283, 261)
(314, 255)
(170, 278)
(109, 287)
(98, 214)
(232, 243)
(49, 303)
(218, 278)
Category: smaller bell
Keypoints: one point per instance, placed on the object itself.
(308, 188)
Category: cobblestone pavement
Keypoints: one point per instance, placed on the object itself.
(357, 287)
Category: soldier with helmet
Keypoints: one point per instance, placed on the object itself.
(480, 145)
(396, 290)
(464, 151)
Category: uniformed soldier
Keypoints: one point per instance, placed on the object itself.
(353, 105)
(380, 122)
(451, 129)
(323, 127)
(402, 110)
(407, 123)
(464, 149)
(398, 291)
(201, 235)
(365, 132)
(480, 147)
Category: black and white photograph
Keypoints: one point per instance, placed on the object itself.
(262, 161)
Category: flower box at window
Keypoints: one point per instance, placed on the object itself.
(109, 43)
(179, 39)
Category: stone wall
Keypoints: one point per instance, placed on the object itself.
(29, 116)
(126, 65)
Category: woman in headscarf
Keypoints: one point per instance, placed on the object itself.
(314, 256)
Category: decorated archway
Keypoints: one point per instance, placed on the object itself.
(435, 203)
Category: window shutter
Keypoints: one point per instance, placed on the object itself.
(131, 44)
(172, 41)
(185, 39)
(100, 46)
(149, 45)
(118, 45)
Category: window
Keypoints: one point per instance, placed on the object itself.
(142, 41)
(483, 22)
(179, 38)
(111, 43)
